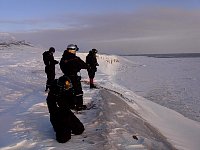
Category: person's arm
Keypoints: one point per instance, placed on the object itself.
(82, 64)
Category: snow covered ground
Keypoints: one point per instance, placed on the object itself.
(171, 82)
(121, 118)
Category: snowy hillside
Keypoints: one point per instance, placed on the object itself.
(6, 40)
(120, 119)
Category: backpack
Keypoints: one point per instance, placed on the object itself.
(46, 58)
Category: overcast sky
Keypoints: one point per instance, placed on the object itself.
(112, 26)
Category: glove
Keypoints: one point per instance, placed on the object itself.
(89, 67)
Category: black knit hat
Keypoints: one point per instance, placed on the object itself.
(52, 49)
(94, 50)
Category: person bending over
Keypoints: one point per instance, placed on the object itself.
(59, 101)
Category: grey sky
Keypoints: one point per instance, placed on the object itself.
(112, 26)
(160, 30)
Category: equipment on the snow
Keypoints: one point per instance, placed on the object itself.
(91, 105)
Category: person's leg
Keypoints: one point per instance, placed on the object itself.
(79, 103)
(47, 73)
(50, 79)
(48, 83)
(69, 124)
(61, 124)
(92, 83)
(91, 76)
(62, 136)
(77, 126)
(78, 96)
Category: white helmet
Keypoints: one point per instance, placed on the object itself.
(72, 47)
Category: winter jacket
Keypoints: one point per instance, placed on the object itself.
(59, 97)
(49, 61)
(71, 64)
(91, 60)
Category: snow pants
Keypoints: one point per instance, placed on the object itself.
(91, 72)
(50, 71)
(76, 82)
(65, 123)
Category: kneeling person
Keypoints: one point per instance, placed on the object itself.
(59, 100)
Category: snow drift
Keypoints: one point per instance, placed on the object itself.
(120, 119)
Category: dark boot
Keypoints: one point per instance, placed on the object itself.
(60, 121)
(77, 126)
(63, 136)
(92, 86)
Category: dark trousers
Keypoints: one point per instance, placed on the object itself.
(76, 82)
(50, 71)
(65, 123)
(91, 73)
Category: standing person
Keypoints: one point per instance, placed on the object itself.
(91, 60)
(63, 120)
(50, 63)
(71, 65)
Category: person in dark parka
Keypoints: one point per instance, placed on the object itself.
(91, 60)
(50, 63)
(70, 64)
(59, 101)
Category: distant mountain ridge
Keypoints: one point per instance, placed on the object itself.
(11, 43)
(7, 40)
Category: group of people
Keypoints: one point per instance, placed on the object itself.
(65, 93)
